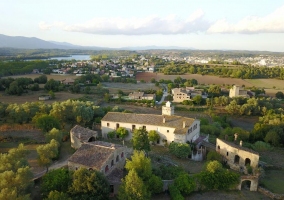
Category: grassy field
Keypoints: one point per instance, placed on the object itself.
(274, 181)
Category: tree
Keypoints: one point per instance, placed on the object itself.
(185, 184)
(52, 85)
(213, 155)
(214, 91)
(46, 123)
(47, 152)
(155, 184)
(213, 173)
(273, 138)
(111, 134)
(180, 150)
(88, 184)
(122, 132)
(54, 134)
(140, 140)
(55, 195)
(279, 95)
(51, 94)
(197, 99)
(133, 188)
(141, 164)
(15, 175)
(153, 136)
(55, 180)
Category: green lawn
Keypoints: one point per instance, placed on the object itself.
(274, 181)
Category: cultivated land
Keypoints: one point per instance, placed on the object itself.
(271, 86)
(128, 87)
(58, 77)
(33, 96)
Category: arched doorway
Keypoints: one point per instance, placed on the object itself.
(92, 139)
(247, 161)
(246, 185)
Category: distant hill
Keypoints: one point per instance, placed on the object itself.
(20, 42)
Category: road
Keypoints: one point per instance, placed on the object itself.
(165, 94)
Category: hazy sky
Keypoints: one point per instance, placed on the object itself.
(201, 24)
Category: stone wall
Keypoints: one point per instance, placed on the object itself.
(270, 194)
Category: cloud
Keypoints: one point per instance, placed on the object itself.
(272, 23)
(45, 26)
(171, 24)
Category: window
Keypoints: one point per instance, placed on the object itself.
(112, 163)
(122, 155)
(106, 169)
(237, 159)
(107, 124)
(133, 127)
(168, 131)
(111, 189)
(117, 125)
(227, 153)
(117, 158)
(144, 127)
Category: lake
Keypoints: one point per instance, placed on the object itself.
(71, 57)
(75, 57)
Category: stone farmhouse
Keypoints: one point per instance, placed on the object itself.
(80, 135)
(141, 96)
(237, 91)
(237, 156)
(102, 156)
(181, 94)
(98, 155)
(170, 127)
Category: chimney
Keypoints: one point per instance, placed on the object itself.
(236, 136)
(164, 119)
(183, 124)
(241, 143)
(226, 137)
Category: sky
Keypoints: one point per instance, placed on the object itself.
(199, 24)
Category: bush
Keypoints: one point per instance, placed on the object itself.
(213, 155)
(261, 146)
(111, 134)
(180, 150)
(175, 193)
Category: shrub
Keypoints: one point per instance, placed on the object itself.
(111, 134)
(175, 193)
(180, 150)
(213, 155)
(261, 146)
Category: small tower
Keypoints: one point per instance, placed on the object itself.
(168, 109)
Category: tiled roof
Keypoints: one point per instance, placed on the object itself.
(172, 121)
(93, 154)
(82, 133)
(239, 147)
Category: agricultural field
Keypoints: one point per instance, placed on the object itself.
(57, 77)
(128, 87)
(271, 86)
(33, 96)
